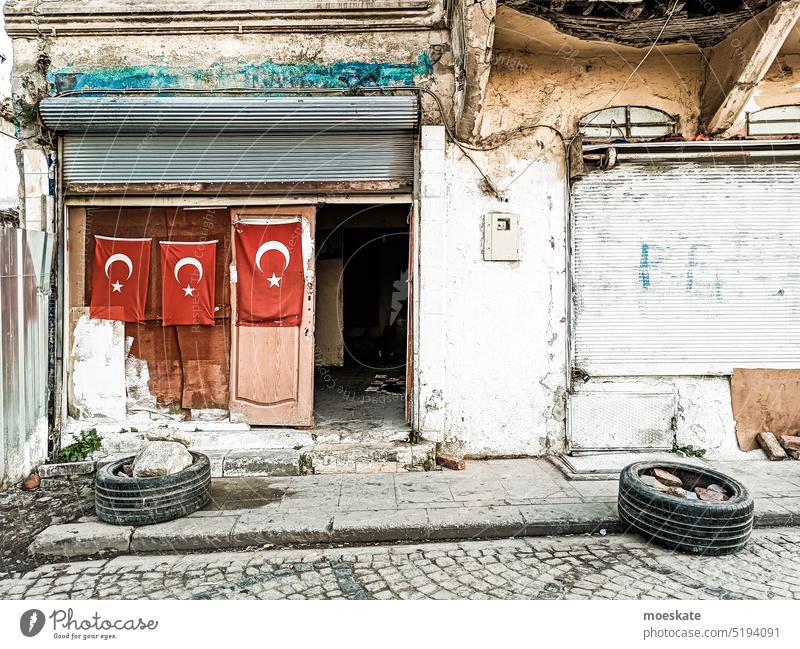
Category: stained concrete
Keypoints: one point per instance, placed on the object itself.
(490, 499)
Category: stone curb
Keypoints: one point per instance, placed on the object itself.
(241, 530)
(303, 528)
(66, 469)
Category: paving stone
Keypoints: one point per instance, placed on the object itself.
(279, 528)
(184, 534)
(476, 522)
(267, 462)
(380, 525)
(82, 539)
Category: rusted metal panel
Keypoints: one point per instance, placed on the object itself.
(158, 347)
(686, 268)
(287, 191)
(205, 360)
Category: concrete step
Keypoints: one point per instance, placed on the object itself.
(242, 464)
(385, 457)
(209, 439)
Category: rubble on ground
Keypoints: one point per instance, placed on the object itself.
(671, 484)
(791, 444)
(769, 444)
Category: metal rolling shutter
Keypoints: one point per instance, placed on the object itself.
(687, 268)
(235, 139)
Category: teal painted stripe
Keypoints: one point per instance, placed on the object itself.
(352, 74)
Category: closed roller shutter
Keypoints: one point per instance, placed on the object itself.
(686, 267)
(235, 139)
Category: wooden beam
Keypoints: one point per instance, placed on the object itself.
(739, 63)
(632, 12)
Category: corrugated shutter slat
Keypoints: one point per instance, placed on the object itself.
(687, 268)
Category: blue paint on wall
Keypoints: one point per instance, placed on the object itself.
(344, 75)
(644, 266)
(690, 269)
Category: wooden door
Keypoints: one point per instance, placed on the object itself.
(272, 368)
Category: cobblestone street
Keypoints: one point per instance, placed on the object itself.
(614, 567)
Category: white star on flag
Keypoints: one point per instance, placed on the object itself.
(274, 280)
(188, 291)
(116, 287)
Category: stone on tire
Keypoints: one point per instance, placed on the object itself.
(123, 500)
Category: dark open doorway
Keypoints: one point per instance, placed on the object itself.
(362, 317)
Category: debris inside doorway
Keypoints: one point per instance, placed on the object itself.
(387, 384)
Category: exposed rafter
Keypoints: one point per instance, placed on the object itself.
(739, 63)
(639, 22)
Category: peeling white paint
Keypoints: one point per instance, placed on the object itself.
(704, 417)
(504, 355)
(98, 370)
(137, 382)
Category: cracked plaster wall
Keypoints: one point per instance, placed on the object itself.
(558, 88)
(503, 332)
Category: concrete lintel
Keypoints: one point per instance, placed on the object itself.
(739, 63)
(26, 18)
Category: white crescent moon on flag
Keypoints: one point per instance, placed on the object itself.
(273, 245)
(189, 261)
(124, 259)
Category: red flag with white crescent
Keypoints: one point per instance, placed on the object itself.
(187, 282)
(270, 269)
(119, 278)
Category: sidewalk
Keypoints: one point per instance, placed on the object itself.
(490, 499)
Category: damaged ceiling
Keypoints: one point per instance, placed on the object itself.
(638, 23)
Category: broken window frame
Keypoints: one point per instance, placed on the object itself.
(626, 129)
(775, 132)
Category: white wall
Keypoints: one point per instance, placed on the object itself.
(704, 417)
(9, 173)
(491, 348)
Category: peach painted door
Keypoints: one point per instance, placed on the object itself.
(272, 368)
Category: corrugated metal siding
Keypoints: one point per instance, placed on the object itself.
(231, 139)
(213, 114)
(239, 158)
(686, 268)
(24, 280)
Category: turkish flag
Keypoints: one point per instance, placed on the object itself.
(270, 269)
(119, 278)
(187, 282)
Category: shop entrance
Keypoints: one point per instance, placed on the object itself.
(362, 317)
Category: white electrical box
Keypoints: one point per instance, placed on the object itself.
(501, 237)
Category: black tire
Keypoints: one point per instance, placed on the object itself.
(144, 501)
(691, 526)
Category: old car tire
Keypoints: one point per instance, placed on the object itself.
(123, 500)
(692, 526)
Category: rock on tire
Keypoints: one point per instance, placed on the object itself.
(121, 500)
(691, 526)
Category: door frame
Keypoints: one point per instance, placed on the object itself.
(300, 413)
(73, 204)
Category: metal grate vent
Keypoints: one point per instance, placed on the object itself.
(621, 419)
